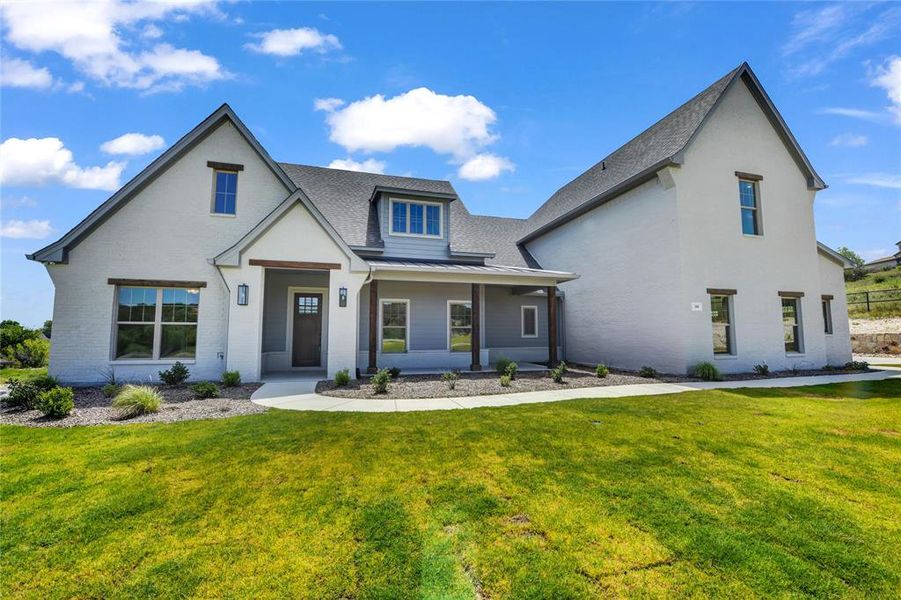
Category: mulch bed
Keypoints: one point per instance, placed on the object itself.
(179, 404)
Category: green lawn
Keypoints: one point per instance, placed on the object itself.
(25, 374)
(738, 493)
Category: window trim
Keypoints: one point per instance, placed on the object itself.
(799, 322)
(826, 302)
(157, 323)
(213, 211)
(449, 327)
(440, 205)
(754, 180)
(732, 351)
(522, 321)
(382, 302)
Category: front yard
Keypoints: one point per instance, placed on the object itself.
(741, 493)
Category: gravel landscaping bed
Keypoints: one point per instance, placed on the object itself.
(93, 408)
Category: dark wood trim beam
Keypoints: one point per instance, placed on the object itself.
(552, 326)
(791, 294)
(827, 297)
(373, 326)
(748, 176)
(476, 344)
(221, 166)
(721, 292)
(293, 264)
(166, 283)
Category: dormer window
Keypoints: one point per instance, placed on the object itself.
(418, 219)
(225, 187)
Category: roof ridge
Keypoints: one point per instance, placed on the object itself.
(361, 172)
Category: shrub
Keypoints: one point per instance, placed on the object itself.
(394, 372)
(205, 389)
(647, 372)
(762, 369)
(706, 371)
(558, 372)
(30, 353)
(450, 378)
(136, 400)
(25, 393)
(505, 380)
(879, 279)
(857, 365)
(601, 371)
(342, 377)
(111, 389)
(501, 365)
(231, 378)
(381, 380)
(176, 374)
(511, 370)
(56, 402)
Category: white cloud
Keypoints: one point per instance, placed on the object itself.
(370, 165)
(327, 104)
(888, 77)
(34, 230)
(21, 73)
(849, 140)
(21, 202)
(484, 166)
(854, 113)
(133, 144)
(46, 160)
(455, 125)
(883, 180)
(75, 87)
(291, 42)
(152, 32)
(92, 36)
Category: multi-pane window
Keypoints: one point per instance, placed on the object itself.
(415, 218)
(225, 192)
(529, 321)
(395, 315)
(827, 315)
(156, 323)
(791, 324)
(750, 207)
(308, 305)
(721, 317)
(460, 326)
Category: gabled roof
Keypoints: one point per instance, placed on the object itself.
(58, 251)
(832, 254)
(660, 145)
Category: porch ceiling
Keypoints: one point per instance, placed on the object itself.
(455, 272)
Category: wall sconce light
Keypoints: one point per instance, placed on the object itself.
(342, 297)
(243, 291)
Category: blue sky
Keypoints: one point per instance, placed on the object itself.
(508, 101)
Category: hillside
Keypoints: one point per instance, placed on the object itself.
(882, 286)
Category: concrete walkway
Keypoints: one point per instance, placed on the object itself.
(300, 395)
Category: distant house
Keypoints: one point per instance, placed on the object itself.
(886, 262)
(694, 241)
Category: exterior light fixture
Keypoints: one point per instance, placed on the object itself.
(243, 291)
(342, 297)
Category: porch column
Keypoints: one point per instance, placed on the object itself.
(373, 325)
(476, 330)
(552, 326)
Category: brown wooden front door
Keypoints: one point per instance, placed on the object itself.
(307, 330)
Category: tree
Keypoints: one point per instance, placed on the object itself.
(856, 271)
(48, 325)
(12, 333)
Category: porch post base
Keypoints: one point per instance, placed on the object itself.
(475, 367)
(372, 370)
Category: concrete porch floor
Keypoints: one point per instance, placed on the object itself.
(523, 367)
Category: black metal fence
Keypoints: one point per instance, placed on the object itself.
(868, 300)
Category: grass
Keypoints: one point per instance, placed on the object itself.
(888, 280)
(23, 374)
(742, 493)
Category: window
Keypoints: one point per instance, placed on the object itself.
(308, 305)
(750, 207)
(422, 219)
(721, 317)
(791, 324)
(460, 326)
(827, 315)
(528, 318)
(156, 323)
(395, 315)
(225, 192)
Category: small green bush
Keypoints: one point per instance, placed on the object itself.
(231, 378)
(342, 377)
(558, 373)
(857, 365)
(601, 371)
(450, 378)
(505, 380)
(25, 394)
(647, 372)
(502, 364)
(394, 372)
(879, 279)
(110, 390)
(706, 371)
(381, 380)
(205, 389)
(56, 402)
(176, 374)
(511, 370)
(136, 400)
(762, 369)
(30, 353)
